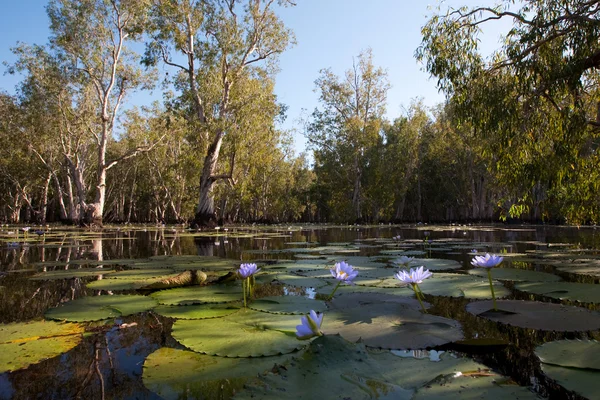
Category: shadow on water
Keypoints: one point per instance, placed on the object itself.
(108, 362)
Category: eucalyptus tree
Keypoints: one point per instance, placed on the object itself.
(91, 39)
(350, 121)
(539, 90)
(213, 45)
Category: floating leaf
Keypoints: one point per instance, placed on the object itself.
(288, 305)
(231, 337)
(582, 292)
(132, 279)
(200, 294)
(94, 308)
(538, 315)
(26, 343)
(514, 274)
(196, 311)
(329, 367)
(574, 364)
(571, 353)
(301, 281)
(454, 285)
(175, 374)
(391, 326)
(70, 273)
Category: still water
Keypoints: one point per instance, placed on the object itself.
(108, 362)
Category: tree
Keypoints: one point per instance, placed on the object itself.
(536, 96)
(90, 39)
(351, 120)
(220, 43)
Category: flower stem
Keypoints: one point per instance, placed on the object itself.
(489, 271)
(332, 293)
(418, 293)
(244, 283)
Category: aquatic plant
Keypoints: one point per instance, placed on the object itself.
(488, 261)
(414, 277)
(310, 326)
(247, 272)
(343, 272)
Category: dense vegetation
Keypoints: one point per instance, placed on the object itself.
(516, 137)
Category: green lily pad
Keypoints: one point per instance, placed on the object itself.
(196, 311)
(434, 264)
(94, 308)
(70, 274)
(573, 364)
(390, 326)
(538, 315)
(571, 353)
(331, 367)
(454, 285)
(301, 281)
(200, 295)
(288, 305)
(513, 274)
(176, 374)
(231, 337)
(26, 343)
(132, 279)
(582, 292)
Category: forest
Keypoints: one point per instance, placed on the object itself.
(516, 137)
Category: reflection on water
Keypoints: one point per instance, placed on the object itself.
(108, 363)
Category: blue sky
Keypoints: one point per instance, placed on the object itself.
(329, 34)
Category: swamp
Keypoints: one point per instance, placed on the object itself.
(98, 314)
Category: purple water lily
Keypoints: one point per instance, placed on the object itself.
(413, 278)
(343, 272)
(247, 272)
(488, 262)
(310, 326)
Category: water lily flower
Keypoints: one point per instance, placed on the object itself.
(343, 272)
(404, 260)
(413, 278)
(310, 327)
(488, 262)
(247, 272)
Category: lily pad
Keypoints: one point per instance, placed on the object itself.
(582, 292)
(26, 343)
(196, 311)
(454, 285)
(573, 364)
(434, 264)
(331, 367)
(70, 273)
(571, 353)
(175, 374)
(227, 337)
(538, 315)
(94, 308)
(514, 274)
(288, 305)
(132, 279)
(391, 326)
(200, 295)
(301, 281)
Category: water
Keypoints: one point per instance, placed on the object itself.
(108, 363)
